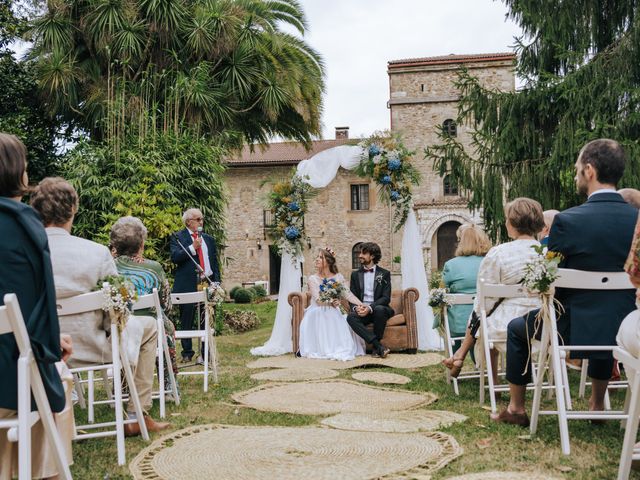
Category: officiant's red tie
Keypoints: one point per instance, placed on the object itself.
(199, 251)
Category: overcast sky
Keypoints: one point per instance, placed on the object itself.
(358, 37)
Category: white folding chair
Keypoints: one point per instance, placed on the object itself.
(487, 290)
(90, 302)
(553, 354)
(632, 408)
(456, 299)
(29, 380)
(152, 300)
(206, 335)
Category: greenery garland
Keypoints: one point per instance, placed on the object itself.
(388, 163)
(288, 201)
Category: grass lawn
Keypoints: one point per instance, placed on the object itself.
(595, 450)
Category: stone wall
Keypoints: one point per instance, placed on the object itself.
(329, 222)
(421, 99)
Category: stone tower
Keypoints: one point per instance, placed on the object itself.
(423, 98)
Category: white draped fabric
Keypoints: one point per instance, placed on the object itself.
(280, 341)
(414, 275)
(320, 170)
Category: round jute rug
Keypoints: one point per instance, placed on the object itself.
(295, 374)
(325, 397)
(394, 360)
(292, 453)
(505, 476)
(381, 377)
(398, 422)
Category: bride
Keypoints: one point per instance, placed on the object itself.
(324, 331)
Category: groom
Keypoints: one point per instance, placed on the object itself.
(372, 285)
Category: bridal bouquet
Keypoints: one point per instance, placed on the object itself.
(542, 271)
(330, 290)
(119, 295)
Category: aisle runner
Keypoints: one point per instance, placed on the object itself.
(395, 360)
(295, 453)
(325, 397)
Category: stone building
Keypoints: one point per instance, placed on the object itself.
(423, 98)
(347, 212)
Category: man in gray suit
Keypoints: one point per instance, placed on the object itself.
(78, 266)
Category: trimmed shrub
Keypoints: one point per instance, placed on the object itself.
(259, 291)
(242, 295)
(240, 321)
(232, 292)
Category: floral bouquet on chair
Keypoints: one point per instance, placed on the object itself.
(119, 296)
(542, 271)
(438, 301)
(331, 290)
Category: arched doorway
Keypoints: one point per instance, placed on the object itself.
(447, 241)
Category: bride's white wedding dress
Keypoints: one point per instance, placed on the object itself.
(324, 331)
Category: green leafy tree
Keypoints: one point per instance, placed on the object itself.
(155, 181)
(21, 112)
(211, 66)
(580, 63)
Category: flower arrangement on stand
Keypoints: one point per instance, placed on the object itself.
(388, 162)
(288, 202)
(119, 296)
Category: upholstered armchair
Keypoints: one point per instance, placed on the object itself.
(401, 333)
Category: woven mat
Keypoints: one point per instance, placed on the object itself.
(394, 360)
(398, 422)
(381, 377)
(295, 374)
(292, 453)
(505, 476)
(325, 397)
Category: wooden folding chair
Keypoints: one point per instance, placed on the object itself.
(206, 335)
(29, 380)
(554, 354)
(456, 299)
(89, 302)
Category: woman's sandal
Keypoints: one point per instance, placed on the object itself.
(454, 365)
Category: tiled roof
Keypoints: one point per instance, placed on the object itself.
(284, 153)
(445, 59)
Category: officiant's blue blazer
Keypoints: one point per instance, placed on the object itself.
(595, 236)
(186, 276)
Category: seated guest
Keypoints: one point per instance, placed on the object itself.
(26, 271)
(595, 236)
(548, 215)
(460, 274)
(505, 264)
(631, 196)
(127, 239)
(79, 265)
(629, 333)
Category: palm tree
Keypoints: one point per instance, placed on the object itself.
(212, 66)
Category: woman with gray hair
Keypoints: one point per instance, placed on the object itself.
(127, 239)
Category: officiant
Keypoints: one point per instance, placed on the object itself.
(196, 256)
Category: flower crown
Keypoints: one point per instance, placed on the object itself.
(330, 251)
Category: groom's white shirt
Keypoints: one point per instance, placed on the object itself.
(367, 295)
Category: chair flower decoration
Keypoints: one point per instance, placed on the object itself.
(119, 296)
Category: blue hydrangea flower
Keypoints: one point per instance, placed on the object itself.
(374, 150)
(394, 195)
(291, 233)
(293, 206)
(386, 180)
(394, 164)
